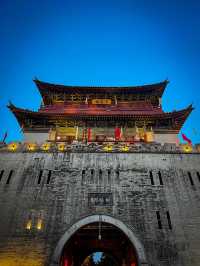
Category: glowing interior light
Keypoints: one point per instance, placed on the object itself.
(58, 137)
(61, 147)
(149, 136)
(39, 224)
(13, 146)
(29, 225)
(108, 148)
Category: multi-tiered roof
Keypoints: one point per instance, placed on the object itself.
(84, 104)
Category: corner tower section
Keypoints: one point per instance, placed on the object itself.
(101, 114)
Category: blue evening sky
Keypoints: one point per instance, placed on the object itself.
(99, 42)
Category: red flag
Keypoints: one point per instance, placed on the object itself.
(89, 134)
(117, 133)
(186, 139)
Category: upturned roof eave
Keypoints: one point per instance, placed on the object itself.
(16, 110)
(45, 88)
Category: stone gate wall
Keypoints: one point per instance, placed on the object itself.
(156, 194)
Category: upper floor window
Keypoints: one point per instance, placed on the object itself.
(100, 176)
(109, 176)
(40, 176)
(191, 179)
(169, 220)
(83, 177)
(9, 177)
(49, 177)
(151, 177)
(159, 220)
(198, 175)
(117, 176)
(160, 178)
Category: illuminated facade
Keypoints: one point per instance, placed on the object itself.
(100, 169)
(101, 114)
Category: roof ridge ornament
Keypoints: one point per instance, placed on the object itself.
(10, 104)
(35, 79)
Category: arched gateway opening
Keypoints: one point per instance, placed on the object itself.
(100, 259)
(99, 233)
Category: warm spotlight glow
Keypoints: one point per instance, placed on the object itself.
(108, 148)
(29, 225)
(58, 137)
(13, 146)
(187, 147)
(31, 146)
(61, 146)
(125, 148)
(39, 224)
(149, 136)
(45, 146)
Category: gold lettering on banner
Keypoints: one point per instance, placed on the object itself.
(66, 131)
(101, 101)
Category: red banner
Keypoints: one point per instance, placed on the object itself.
(117, 133)
(89, 135)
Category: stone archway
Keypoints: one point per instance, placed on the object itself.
(137, 245)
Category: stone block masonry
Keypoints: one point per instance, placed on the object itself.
(157, 195)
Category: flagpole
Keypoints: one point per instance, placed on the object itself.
(5, 136)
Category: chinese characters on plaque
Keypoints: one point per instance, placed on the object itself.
(100, 199)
